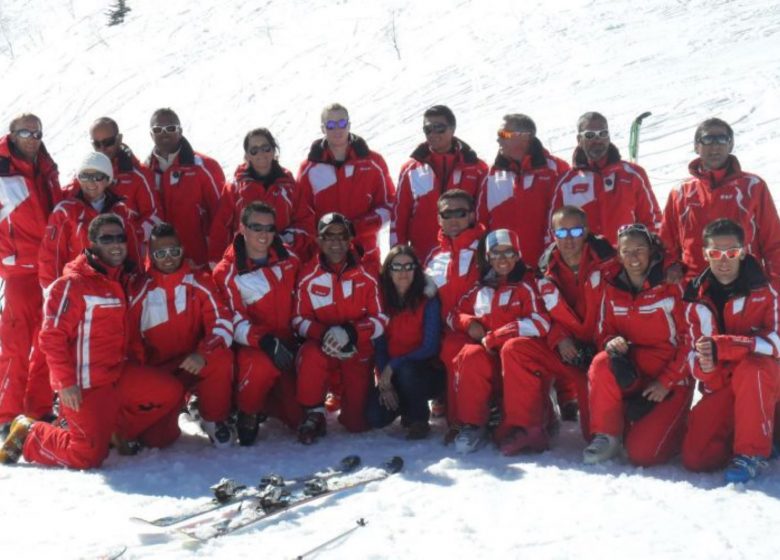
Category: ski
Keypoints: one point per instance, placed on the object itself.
(633, 141)
(276, 500)
(228, 492)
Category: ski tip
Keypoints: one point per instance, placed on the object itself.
(350, 463)
(642, 117)
(394, 465)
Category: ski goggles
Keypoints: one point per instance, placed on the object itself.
(504, 134)
(731, 253)
(709, 139)
(104, 143)
(108, 239)
(261, 228)
(27, 133)
(160, 254)
(93, 177)
(563, 233)
(435, 128)
(453, 214)
(591, 134)
(266, 149)
(402, 267)
(333, 125)
(167, 129)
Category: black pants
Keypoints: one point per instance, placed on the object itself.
(416, 383)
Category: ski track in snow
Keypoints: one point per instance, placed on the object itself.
(232, 66)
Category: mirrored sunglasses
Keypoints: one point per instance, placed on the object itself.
(504, 134)
(505, 254)
(93, 177)
(107, 239)
(266, 149)
(591, 134)
(167, 129)
(457, 213)
(105, 143)
(341, 123)
(709, 139)
(27, 133)
(731, 253)
(435, 128)
(261, 228)
(402, 267)
(160, 254)
(563, 233)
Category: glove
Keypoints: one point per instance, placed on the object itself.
(585, 354)
(337, 342)
(624, 371)
(282, 357)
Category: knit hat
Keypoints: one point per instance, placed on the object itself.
(502, 237)
(97, 162)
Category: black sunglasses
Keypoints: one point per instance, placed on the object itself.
(435, 128)
(402, 267)
(457, 213)
(266, 149)
(108, 239)
(709, 139)
(104, 143)
(261, 228)
(93, 177)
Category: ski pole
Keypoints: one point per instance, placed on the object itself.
(359, 523)
(633, 141)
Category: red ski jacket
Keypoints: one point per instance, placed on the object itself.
(423, 179)
(260, 297)
(506, 308)
(614, 195)
(28, 194)
(739, 196)
(749, 323)
(294, 216)
(360, 188)
(189, 190)
(524, 189)
(66, 233)
(85, 325)
(176, 314)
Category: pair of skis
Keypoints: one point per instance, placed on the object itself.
(273, 496)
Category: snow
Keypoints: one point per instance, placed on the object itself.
(230, 66)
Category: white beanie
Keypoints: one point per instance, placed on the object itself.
(98, 162)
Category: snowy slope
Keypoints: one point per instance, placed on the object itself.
(229, 66)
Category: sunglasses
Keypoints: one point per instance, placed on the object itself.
(505, 254)
(730, 254)
(93, 177)
(450, 214)
(266, 149)
(628, 228)
(402, 267)
(160, 254)
(335, 237)
(105, 143)
(591, 134)
(563, 233)
(26, 133)
(504, 134)
(341, 123)
(261, 228)
(112, 239)
(709, 139)
(435, 128)
(167, 129)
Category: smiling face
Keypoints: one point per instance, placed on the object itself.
(725, 254)
(29, 146)
(334, 243)
(108, 246)
(438, 133)
(166, 133)
(167, 254)
(259, 232)
(93, 184)
(634, 254)
(260, 154)
(503, 259)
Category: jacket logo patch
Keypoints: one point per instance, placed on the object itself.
(319, 290)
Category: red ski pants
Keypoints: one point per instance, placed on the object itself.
(261, 387)
(451, 344)
(83, 444)
(737, 419)
(655, 438)
(314, 371)
(530, 368)
(477, 379)
(213, 384)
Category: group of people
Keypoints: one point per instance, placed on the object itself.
(513, 295)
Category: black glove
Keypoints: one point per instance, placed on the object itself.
(624, 371)
(283, 358)
(637, 407)
(585, 353)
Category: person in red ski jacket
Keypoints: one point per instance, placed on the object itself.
(339, 314)
(443, 162)
(453, 269)
(261, 178)
(733, 317)
(640, 388)
(257, 277)
(612, 192)
(66, 232)
(341, 174)
(520, 183)
(132, 180)
(29, 191)
(84, 338)
(180, 328)
(718, 188)
(188, 182)
(500, 312)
